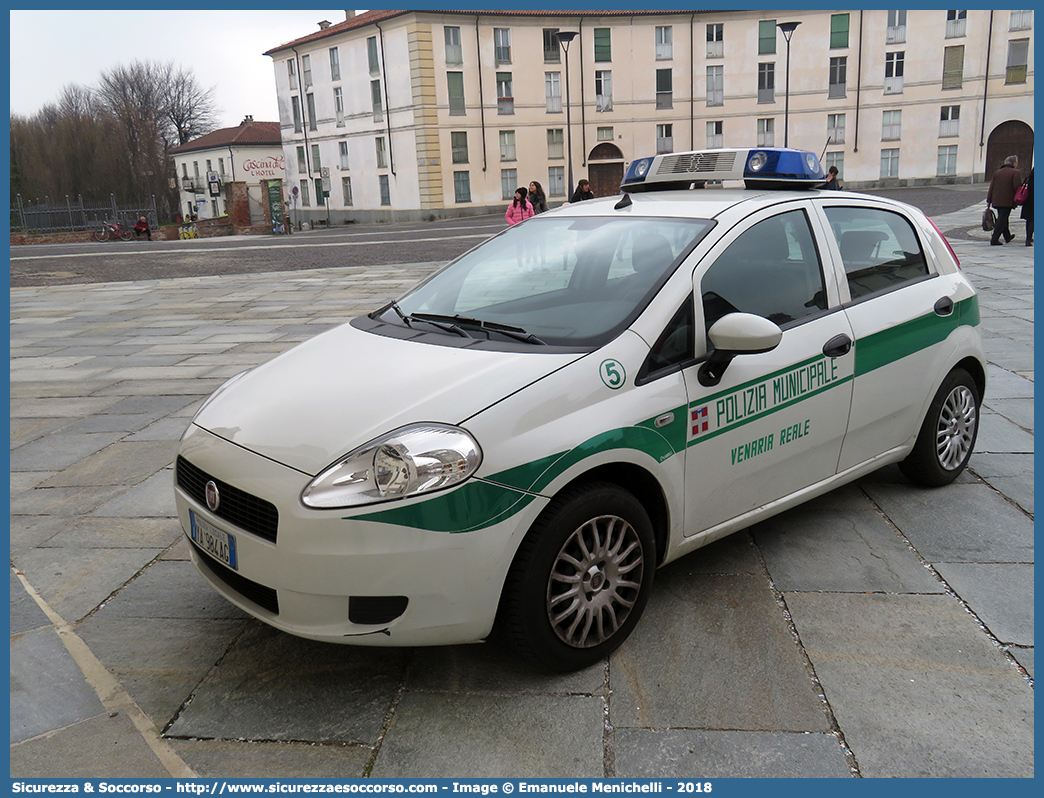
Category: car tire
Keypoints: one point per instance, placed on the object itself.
(580, 579)
(947, 434)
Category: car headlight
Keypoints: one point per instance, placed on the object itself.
(412, 460)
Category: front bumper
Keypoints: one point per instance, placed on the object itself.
(323, 572)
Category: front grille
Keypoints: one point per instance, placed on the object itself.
(696, 162)
(237, 506)
(264, 597)
(376, 609)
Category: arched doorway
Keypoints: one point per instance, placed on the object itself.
(605, 170)
(1009, 138)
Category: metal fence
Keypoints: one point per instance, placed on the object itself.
(74, 214)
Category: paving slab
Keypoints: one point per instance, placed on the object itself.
(437, 735)
(87, 532)
(689, 753)
(250, 760)
(152, 498)
(25, 612)
(998, 434)
(62, 501)
(1000, 594)
(60, 450)
(713, 652)
(122, 463)
(917, 689)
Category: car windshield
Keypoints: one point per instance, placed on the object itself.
(565, 281)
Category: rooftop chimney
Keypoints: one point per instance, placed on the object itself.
(324, 24)
(246, 120)
(349, 15)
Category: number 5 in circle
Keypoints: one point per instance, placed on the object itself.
(613, 374)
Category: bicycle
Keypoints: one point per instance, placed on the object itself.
(113, 230)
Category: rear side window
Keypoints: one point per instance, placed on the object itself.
(771, 270)
(879, 249)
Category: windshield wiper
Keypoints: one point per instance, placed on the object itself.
(507, 330)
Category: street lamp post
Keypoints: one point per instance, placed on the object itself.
(565, 37)
(788, 29)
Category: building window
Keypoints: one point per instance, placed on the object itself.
(454, 52)
(664, 42)
(556, 181)
(295, 107)
(382, 155)
(1021, 20)
(603, 50)
(320, 194)
(603, 90)
(302, 162)
(839, 24)
(889, 163)
(462, 186)
(555, 143)
(891, 125)
(371, 55)
(455, 84)
(664, 88)
(715, 85)
(767, 83)
(384, 183)
(339, 105)
(195, 170)
(1018, 55)
(715, 135)
(221, 168)
(335, 64)
(835, 159)
(716, 40)
(305, 194)
(894, 67)
(956, 24)
(306, 70)
(291, 73)
(505, 96)
(604, 134)
(950, 121)
(552, 48)
(507, 145)
(502, 45)
(953, 67)
(508, 183)
(317, 162)
(835, 128)
(947, 164)
(767, 37)
(459, 146)
(378, 106)
(664, 138)
(766, 132)
(553, 92)
(896, 33)
(838, 76)
(346, 190)
(342, 149)
(310, 102)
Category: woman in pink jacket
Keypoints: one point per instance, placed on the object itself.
(519, 210)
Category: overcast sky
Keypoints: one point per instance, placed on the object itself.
(51, 49)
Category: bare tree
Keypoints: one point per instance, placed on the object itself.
(191, 112)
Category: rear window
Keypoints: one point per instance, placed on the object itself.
(879, 249)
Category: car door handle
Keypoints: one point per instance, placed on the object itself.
(838, 346)
(944, 307)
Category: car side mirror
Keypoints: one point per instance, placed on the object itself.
(736, 334)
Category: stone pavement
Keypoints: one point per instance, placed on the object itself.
(881, 630)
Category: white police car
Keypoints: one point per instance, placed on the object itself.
(520, 441)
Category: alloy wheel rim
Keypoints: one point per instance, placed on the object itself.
(595, 581)
(955, 432)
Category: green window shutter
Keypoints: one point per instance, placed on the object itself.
(602, 44)
(766, 37)
(839, 30)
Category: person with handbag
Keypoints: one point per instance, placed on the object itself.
(1001, 195)
(1027, 207)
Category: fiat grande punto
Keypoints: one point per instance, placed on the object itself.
(514, 447)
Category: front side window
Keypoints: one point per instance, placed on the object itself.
(880, 249)
(771, 270)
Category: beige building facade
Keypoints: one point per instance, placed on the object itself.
(400, 115)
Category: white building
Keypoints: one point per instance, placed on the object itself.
(251, 153)
(421, 114)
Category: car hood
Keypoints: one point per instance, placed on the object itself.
(327, 396)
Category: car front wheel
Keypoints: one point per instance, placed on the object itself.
(581, 578)
(948, 433)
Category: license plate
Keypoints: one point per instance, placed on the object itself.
(216, 542)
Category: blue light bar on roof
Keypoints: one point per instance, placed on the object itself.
(763, 167)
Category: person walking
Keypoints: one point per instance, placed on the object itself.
(1027, 209)
(519, 210)
(1001, 195)
(583, 191)
(537, 198)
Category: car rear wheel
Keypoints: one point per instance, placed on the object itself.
(581, 578)
(947, 437)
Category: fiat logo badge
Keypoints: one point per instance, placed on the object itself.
(213, 497)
